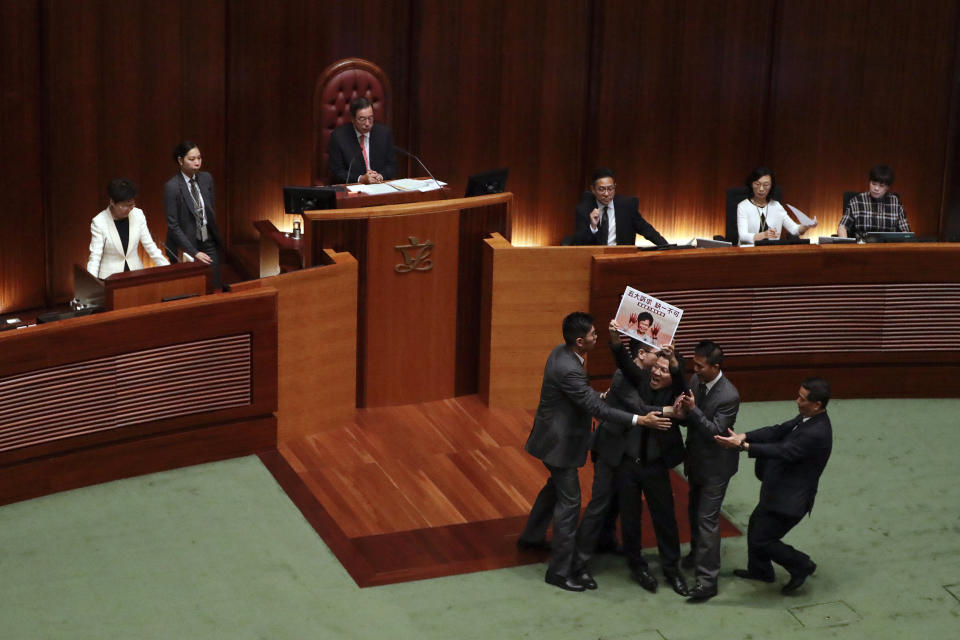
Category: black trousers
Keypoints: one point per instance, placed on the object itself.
(764, 544)
(210, 248)
(559, 500)
(651, 481)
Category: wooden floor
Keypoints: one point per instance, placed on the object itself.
(419, 491)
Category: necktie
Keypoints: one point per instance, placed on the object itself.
(604, 229)
(363, 148)
(702, 390)
(198, 210)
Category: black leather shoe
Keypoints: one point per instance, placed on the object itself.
(689, 561)
(526, 545)
(797, 579)
(584, 578)
(678, 584)
(567, 584)
(700, 593)
(644, 579)
(746, 575)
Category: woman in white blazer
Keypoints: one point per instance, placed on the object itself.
(759, 217)
(117, 232)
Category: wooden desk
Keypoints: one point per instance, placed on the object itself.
(123, 393)
(147, 286)
(418, 307)
(349, 200)
(317, 345)
(875, 320)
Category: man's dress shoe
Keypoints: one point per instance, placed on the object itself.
(746, 575)
(797, 579)
(678, 584)
(644, 579)
(526, 545)
(584, 578)
(567, 584)
(701, 593)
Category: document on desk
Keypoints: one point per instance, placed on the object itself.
(372, 189)
(413, 184)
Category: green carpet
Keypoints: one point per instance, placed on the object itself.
(218, 551)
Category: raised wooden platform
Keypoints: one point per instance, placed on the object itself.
(428, 490)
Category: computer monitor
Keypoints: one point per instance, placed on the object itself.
(300, 199)
(482, 184)
(890, 236)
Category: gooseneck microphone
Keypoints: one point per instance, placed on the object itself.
(350, 166)
(170, 255)
(420, 162)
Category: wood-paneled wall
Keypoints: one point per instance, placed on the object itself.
(681, 98)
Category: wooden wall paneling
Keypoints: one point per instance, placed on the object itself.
(527, 293)
(317, 350)
(409, 354)
(860, 314)
(117, 100)
(492, 91)
(88, 466)
(859, 83)
(950, 205)
(72, 343)
(275, 54)
(680, 105)
(22, 256)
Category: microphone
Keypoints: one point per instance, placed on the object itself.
(170, 254)
(350, 166)
(407, 153)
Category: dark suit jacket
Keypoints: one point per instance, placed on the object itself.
(613, 440)
(794, 455)
(181, 223)
(561, 429)
(630, 390)
(345, 153)
(713, 415)
(629, 222)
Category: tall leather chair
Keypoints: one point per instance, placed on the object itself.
(338, 85)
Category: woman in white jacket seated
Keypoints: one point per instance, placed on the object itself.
(759, 217)
(117, 232)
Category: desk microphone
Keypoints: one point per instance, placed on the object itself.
(170, 254)
(407, 153)
(350, 166)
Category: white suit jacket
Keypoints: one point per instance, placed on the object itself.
(106, 251)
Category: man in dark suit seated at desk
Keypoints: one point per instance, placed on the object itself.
(362, 150)
(790, 459)
(603, 217)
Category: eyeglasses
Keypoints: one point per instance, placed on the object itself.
(364, 119)
(609, 189)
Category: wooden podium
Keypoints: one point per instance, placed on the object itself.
(144, 286)
(418, 316)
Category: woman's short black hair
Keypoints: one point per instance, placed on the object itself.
(882, 173)
(183, 149)
(121, 190)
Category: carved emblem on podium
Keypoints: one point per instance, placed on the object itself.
(416, 256)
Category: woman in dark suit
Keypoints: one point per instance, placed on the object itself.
(190, 204)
